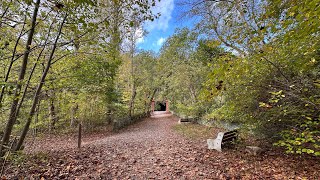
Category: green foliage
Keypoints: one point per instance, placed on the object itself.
(182, 83)
(302, 139)
(269, 83)
(80, 84)
(17, 158)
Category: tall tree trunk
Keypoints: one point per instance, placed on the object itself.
(133, 88)
(38, 91)
(12, 116)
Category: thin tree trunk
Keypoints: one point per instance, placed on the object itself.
(74, 110)
(145, 104)
(37, 118)
(32, 71)
(5, 12)
(193, 94)
(12, 59)
(38, 91)
(131, 105)
(52, 114)
(152, 96)
(12, 116)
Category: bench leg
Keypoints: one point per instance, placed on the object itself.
(215, 143)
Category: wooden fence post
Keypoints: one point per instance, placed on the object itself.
(79, 136)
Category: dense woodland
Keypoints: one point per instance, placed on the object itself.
(253, 62)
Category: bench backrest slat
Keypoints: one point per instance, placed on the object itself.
(231, 132)
(230, 136)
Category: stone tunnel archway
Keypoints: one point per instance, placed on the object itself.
(160, 106)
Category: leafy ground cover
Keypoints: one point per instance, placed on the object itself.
(196, 131)
(155, 148)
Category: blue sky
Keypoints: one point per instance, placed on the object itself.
(160, 29)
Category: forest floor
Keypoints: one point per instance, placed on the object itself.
(155, 148)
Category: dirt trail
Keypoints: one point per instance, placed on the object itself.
(150, 131)
(149, 149)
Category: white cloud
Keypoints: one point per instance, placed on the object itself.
(140, 40)
(161, 41)
(165, 8)
(139, 36)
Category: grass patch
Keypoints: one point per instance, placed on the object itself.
(195, 131)
(18, 158)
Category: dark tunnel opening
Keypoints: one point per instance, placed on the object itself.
(160, 106)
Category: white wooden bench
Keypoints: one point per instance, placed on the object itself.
(222, 139)
(188, 120)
